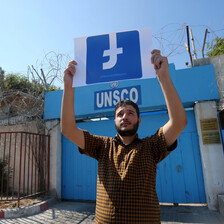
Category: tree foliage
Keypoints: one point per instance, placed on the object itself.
(216, 47)
(2, 74)
(21, 83)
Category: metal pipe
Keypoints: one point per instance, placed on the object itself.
(20, 164)
(45, 162)
(203, 48)
(28, 178)
(48, 170)
(35, 170)
(193, 46)
(189, 49)
(24, 165)
(32, 166)
(10, 138)
(39, 165)
(2, 185)
(14, 165)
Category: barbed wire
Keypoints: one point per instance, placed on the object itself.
(172, 37)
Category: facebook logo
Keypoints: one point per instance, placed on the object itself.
(113, 57)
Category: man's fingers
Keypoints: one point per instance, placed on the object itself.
(73, 62)
(155, 51)
(155, 54)
(157, 63)
(71, 67)
(155, 57)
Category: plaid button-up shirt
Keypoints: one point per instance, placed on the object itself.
(126, 182)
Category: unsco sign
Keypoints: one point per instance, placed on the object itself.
(109, 98)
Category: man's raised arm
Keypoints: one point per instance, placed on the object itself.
(68, 123)
(177, 116)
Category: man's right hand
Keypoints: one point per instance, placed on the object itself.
(69, 72)
(68, 123)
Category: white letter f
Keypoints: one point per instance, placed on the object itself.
(112, 52)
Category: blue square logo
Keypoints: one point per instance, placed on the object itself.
(113, 57)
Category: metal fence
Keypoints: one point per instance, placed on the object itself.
(24, 165)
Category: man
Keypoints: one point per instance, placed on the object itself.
(126, 182)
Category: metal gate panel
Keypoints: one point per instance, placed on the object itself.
(179, 176)
(79, 172)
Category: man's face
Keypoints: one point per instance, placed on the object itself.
(126, 120)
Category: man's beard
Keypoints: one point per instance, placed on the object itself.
(130, 132)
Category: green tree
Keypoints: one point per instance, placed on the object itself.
(2, 75)
(2, 72)
(21, 83)
(216, 47)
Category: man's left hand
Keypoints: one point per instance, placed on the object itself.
(160, 64)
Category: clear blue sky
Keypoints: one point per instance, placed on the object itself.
(31, 27)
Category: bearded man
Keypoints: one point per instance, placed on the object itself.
(126, 182)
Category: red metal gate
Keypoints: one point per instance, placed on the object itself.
(24, 165)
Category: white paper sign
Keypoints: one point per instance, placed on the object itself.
(113, 57)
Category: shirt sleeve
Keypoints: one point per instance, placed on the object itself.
(94, 145)
(159, 146)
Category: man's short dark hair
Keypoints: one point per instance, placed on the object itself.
(125, 103)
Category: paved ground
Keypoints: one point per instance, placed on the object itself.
(80, 212)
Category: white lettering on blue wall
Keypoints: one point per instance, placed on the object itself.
(109, 98)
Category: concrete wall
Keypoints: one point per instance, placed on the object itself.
(54, 130)
(212, 156)
(26, 127)
(218, 63)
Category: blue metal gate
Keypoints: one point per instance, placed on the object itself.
(179, 176)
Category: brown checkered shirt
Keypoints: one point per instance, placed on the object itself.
(126, 182)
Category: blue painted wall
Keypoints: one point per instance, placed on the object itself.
(192, 84)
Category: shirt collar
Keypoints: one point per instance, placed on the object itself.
(117, 138)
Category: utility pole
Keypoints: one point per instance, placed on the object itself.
(203, 48)
(189, 49)
(193, 46)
